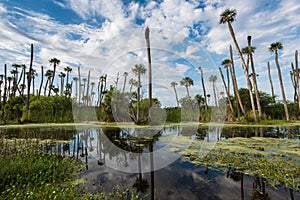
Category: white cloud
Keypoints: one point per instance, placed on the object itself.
(174, 21)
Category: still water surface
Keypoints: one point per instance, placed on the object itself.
(114, 157)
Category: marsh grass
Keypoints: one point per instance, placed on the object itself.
(27, 172)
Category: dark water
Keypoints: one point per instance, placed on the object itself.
(122, 156)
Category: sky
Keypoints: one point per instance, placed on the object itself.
(107, 37)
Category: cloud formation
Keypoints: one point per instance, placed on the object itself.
(187, 28)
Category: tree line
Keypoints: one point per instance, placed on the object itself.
(19, 99)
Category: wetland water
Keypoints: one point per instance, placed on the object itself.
(122, 156)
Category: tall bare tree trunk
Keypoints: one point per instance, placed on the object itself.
(271, 83)
(87, 88)
(281, 86)
(245, 69)
(42, 78)
(297, 77)
(177, 101)
(227, 91)
(79, 81)
(149, 71)
(293, 79)
(5, 85)
(203, 86)
(254, 79)
(29, 82)
(234, 82)
(138, 99)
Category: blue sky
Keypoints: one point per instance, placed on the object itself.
(108, 37)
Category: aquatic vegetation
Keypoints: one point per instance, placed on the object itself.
(29, 173)
(275, 160)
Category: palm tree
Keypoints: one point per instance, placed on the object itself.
(187, 82)
(49, 74)
(125, 74)
(9, 83)
(203, 86)
(173, 85)
(147, 31)
(226, 64)
(54, 62)
(138, 70)
(62, 79)
(132, 82)
(226, 90)
(274, 48)
(213, 79)
(234, 82)
(15, 73)
(56, 90)
(22, 88)
(228, 16)
(68, 70)
(250, 50)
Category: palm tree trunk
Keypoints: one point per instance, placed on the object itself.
(254, 79)
(228, 80)
(234, 82)
(42, 78)
(293, 79)
(130, 88)
(187, 92)
(87, 88)
(29, 82)
(138, 99)
(281, 86)
(203, 86)
(149, 71)
(79, 83)
(215, 95)
(271, 83)
(227, 91)
(125, 77)
(52, 80)
(46, 85)
(297, 77)
(61, 86)
(98, 89)
(245, 69)
(5, 85)
(33, 85)
(177, 101)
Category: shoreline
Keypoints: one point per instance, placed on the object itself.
(167, 124)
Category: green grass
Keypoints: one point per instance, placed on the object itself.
(28, 173)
